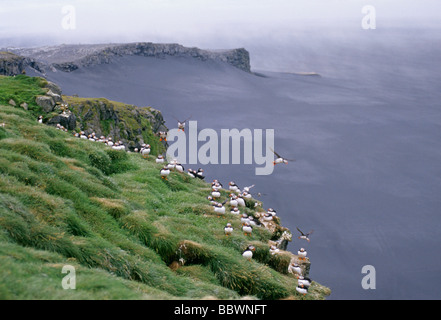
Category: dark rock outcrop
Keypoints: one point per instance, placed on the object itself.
(67, 120)
(11, 64)
(47, 103)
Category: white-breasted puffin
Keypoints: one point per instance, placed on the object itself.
(40, 119)
(304, 281)
(228, 229)
(254, 222)
(220, 209)
(191, 173)
(215, 194)
(179, 167)
(210, 198)
(247, 189)
(268, 217)
(233, 186)
(302, 254)
(235, 211)
(181, 124)
(247, 195)
(244, 219)
(172, 164)
(304, 236)
(145, 151)
(200, 174)
(233, 201)
(295, 269)
(241, 201)
(162, 135)
(248, 253)
(247, 229)
(274, 250)
(272, 212)
(165, 172)
(280, 159)
(109, 142)
(160, 159)
(302, 290)
(217, 184)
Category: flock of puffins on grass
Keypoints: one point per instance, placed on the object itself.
(235, 200)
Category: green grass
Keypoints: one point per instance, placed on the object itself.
(66, 201)
(22, 89)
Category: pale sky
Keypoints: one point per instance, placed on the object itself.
(191, 21)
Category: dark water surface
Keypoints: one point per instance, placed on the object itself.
(366, 136)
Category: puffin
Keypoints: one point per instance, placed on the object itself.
(233, 186)
(268, 217)
(200, 174)
(247, 229)
(272, 212)
(160, 159)
(210, 198)
(302, 290)
(40, 119)
(179, 167)
(83, 135)
(145, 151)
(165, 172)
(254, 222)
(274, 250)
(109, 142)
(241, 201)
(235, 211)
(220, 209)
(247, 195)
(280, 159)
(248, 253)
(172, 164)
(247, 189)
(233, 201)
(162, 136)
(295, 268)
(181, 124)
(217, 184)
(302, 254)
(304, 236)
(228, 229)
(244, 219)
(191, 173)
(215, 194)
(304, 281)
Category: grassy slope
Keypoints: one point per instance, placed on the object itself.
(65, 201)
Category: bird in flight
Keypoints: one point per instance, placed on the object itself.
(305, 236)
(181, 124)
(280, 159)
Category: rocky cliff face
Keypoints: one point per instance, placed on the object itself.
(130, 124)
(68, 58)
(11, 64)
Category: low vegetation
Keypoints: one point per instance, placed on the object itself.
(128, 233)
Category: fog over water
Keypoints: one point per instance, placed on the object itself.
(365, 133)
